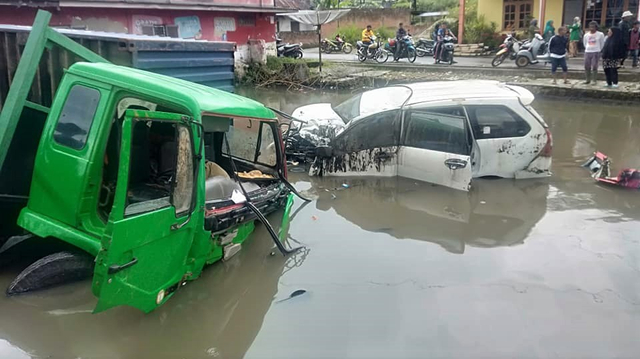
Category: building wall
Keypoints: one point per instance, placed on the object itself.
(215, 26)
(493, 10)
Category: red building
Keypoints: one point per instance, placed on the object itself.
(220, 20)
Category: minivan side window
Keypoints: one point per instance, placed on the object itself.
(437, 130)
(496, 121)
(76, 117)
(379, 130)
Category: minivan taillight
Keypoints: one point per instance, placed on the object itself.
(548, 147)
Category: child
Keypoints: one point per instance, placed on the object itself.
(593, 42)
(558, 50)
(634, 42)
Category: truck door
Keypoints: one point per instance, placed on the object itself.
(436, 147)
(149, 233)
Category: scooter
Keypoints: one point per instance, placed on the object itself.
(337, 45)
(408, 49)
(446, 52)
(425, 47)
(534, 52)
(373, 51)
(288, 50)
(508, 50)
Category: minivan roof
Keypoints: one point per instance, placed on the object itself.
(466, 89)
(196, 97)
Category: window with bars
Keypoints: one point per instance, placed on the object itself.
(607, 13)
(517, 14)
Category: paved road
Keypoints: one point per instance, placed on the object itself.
(312, 53)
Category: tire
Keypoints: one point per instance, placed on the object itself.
(382, 56)
(499, 59)
(451, 59)
(347, 48)
(326, 49)
(522, 61)
(421, 51)
(411, 55)
(54, 269)
(297, 54)
(361, 56)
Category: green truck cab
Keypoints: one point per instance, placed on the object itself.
(138, 174)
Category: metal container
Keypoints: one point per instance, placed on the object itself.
(210, 63)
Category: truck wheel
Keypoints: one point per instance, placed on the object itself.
(54, 269)
(522, 61)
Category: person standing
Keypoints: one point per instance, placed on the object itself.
(574, 36)
(558, 53)
(549, 31)
(533, 29)
(634, 42)
(593, 42)
(613, 52)
(625, 27)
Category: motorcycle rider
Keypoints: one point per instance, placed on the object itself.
(443, 31)
(400, 33)
(366, 37)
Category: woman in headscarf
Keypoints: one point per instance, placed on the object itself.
(613, 52)
(574, 36)
(549, 30)
(533, 29)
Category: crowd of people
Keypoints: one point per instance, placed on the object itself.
(621, 42)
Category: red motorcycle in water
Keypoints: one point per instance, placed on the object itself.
(327, 46)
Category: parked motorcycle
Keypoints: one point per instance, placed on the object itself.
(408, 48)
(288, 50)
(374, 51)
(424, 47)
(446, 51)
(336, 45)
(508, 50)
(533, 52)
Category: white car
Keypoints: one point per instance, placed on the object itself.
(444, 133)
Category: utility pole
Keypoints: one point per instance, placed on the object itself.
(461, 21)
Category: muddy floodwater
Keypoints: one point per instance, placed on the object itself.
(394, 268)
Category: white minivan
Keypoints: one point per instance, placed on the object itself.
(444, 133)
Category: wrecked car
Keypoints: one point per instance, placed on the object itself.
(444, 133)
(600, 167)
(136, 178)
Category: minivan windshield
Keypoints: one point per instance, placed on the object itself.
(373, 101)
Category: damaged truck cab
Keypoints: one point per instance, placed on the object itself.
(138, 173)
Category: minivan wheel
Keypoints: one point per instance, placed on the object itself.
(54, 269)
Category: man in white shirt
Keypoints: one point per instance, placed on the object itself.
(593, 42)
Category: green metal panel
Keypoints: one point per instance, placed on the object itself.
(152, 241)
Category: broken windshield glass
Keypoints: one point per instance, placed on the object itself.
(373, 101)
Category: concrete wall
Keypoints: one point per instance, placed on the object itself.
(307, 38)
(493, 10)
(374, 17)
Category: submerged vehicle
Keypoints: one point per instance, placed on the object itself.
(141, 179)
(444, 133)
(600, 167)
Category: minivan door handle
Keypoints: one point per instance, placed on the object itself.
(455, 163)
(113, 269)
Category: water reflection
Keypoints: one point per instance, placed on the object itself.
(218, 315)
(495, 213)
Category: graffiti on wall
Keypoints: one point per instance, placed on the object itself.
(222, 25)
(189, 27)
(143, 20)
